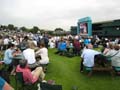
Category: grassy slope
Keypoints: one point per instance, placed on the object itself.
(65, 71)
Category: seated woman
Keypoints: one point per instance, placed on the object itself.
(107, 48)
(4, 85)
(28, 75)
(115, 57)
(52, 44)
(43, 53)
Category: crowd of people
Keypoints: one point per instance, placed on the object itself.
(110, 52)
(27, 52)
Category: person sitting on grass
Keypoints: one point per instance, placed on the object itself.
(62, 47)
(28, 75)
(88, 57)
(4, 85)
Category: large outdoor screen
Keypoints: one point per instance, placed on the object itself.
(83, 28)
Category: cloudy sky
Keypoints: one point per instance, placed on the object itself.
(49, 14)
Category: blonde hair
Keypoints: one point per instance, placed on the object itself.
(111, 46)
(116, 47)
(31, 45)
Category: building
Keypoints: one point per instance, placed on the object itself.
(73, 30)
(103, 29)
(106, 28)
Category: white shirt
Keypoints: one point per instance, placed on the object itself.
(88, 57)
(115, 57)
(29, 55)
(43, 52)
(52, 45)
(35, 42)
(6, 41)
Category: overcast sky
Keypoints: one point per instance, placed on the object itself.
(49, 14)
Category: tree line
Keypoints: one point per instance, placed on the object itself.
(34, 29)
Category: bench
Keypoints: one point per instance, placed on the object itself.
(100, 69)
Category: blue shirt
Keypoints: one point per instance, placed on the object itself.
(8, 56)
(86, 42)
(62, 46)
(2, 83)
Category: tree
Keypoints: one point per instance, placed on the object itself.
(3, 27)
(59, 31)
(23, 29)
(11, 27)
(50, 32)
(35, 29)
(15, 28)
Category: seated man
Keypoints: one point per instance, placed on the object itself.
(4, 85)
(62, 47)
(8, 57)
(88, 57)
(29, 55)
(28, 75)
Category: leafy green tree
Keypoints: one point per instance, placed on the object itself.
(15, 28)
(24, 29)
(50, 32)
(35, 29)
(59, 31)
(11, 27)
(3, 27)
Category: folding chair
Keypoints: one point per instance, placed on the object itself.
(20, 80)
(4, 74)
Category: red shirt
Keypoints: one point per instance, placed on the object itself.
(27, 74)
(77, 45)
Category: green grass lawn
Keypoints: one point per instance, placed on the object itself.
(65, 71)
